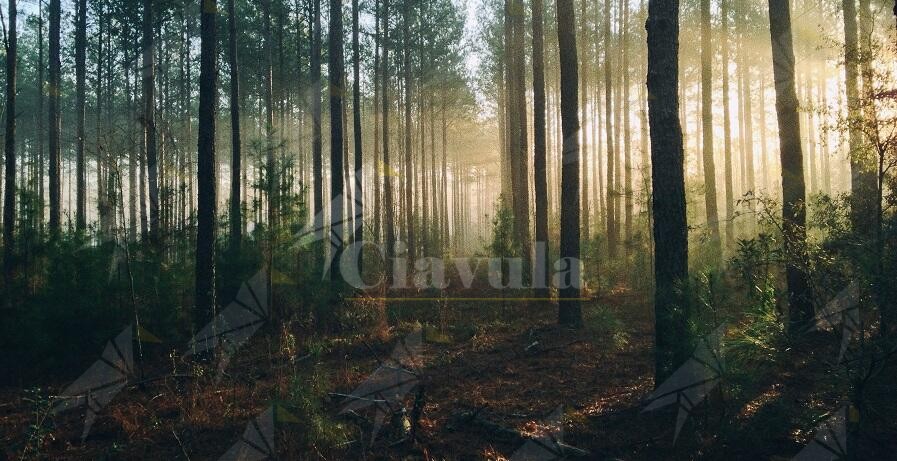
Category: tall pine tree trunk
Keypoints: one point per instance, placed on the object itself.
(793, 189)
(358, 202)
(149, 120)
(53, 88)
(668, 181)
(377, 183)
(861, 178)
(335, 69)
(316, 143)
(612, 233)
(569, 308)
(206, 166)
(236, 206)
(80, 114)
(9, 197)
(727, 127)
(409, 172)
(627, 133)
(389, 206)
(539, 164)
(710, 201)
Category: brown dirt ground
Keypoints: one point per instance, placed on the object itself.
(511, 372)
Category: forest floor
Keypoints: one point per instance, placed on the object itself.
(489, 378)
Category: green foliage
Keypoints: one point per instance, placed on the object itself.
(760, 339)
(504, 244)
(39, 428)
(307, 391)
(607, 326)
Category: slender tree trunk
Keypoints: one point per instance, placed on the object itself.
(80, 114)
(612, 231)
(55, 120)
(627, 133)
(206, 177)
(727, 128)
(764, 155)
(377, 184)
(335, 68)
(540, 279)
(149, 119)
(826, 146)
(409, 172)
(9, 197)
(862, 180)
(316, 144)
(236, 206)
(389, 207)
(584, 58)
(707, 139)
(811, 137)
(358, 201)
(445, 213)
(569, 308)
(668, 181)
(271, 181)
(793, 189)
(130, 87)
(40, 117)
(519, 149)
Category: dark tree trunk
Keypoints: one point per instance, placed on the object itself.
(55, 121)
(518, 129)
(389, 206)
(335, 67)
(236, 206)
(794, 213)
(378, 208)
(584, 56)
(80, 114)
(9, 197)
(707, 131)
(862, 180)
(358, 202)
(668, 181)
(569, 309)
(727, 127)
(539, 164)
(316, 144)
(40, 116)
(409, 173)
(149, 119)
(612, 226)
(205, 172)
(628, 204)
(271, 181)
